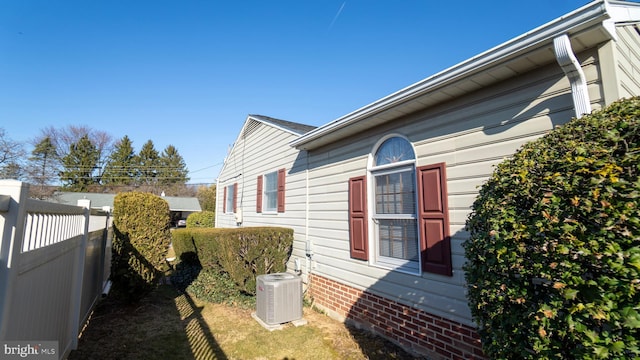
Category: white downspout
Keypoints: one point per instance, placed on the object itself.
(571, 67)
(308, 245)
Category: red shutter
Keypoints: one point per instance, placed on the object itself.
(281, 182)
(259, 195)
(433, 215)
(224, 201)
(235, 197)
(358, 242)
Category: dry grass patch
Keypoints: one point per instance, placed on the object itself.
(170, 325)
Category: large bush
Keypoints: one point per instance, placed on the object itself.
(202, 219)
(553, 264)
(141, 228)
(242, 253)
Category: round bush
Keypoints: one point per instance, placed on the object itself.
(202, 219)
(553, 257)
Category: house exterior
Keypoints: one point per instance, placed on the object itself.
(262, 182)
(378, 198)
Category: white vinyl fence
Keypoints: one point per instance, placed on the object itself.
(53, 267)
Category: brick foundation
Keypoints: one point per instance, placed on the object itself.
(413, 329)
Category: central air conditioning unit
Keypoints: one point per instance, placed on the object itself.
(278, 298)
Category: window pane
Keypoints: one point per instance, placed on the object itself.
(271, 191)
(398, 239)
(395, 193)
(393, 150)
(231, 190)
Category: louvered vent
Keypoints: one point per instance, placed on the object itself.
(251, 127)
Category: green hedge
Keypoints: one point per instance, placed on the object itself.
(184, 246)
(205, 219)
(553, 265)
(242, 253)
(141, 239)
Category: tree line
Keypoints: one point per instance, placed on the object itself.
(81, 159)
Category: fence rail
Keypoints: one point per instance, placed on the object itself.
(52, 267)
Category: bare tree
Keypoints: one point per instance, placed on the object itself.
(11, 157)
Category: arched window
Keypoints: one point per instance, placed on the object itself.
(394, 209)
(394, 150)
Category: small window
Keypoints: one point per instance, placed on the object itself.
(271, 192)
(230, 198)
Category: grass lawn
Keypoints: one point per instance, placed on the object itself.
(171, 325)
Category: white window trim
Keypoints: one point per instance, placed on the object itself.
(265, 208)
(383, 262)
(229, 199)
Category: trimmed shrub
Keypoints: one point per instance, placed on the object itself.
(183, 245)
(141, 239)
(242, 253)
(553, 267)
(205, 219)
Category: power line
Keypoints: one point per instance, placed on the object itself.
(208, 167)
(138, 167)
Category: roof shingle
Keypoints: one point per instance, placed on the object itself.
(291, 126)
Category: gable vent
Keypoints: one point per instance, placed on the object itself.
(251, 126)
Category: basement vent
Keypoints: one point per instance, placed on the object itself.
(278, 298)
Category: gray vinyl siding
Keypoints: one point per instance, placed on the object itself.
(265, 149)
(628, 60)
(471, 135)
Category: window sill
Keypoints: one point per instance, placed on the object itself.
(409, 268)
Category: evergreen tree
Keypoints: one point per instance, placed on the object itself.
(207, 197)
(173, 169)
(122, 164)
(43, 165)
(79, 165)
(12, 170)
(63, 138)
(148, 163)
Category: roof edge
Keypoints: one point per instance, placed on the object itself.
(267, 120)
(589, 14)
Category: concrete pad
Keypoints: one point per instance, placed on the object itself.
(299, 322)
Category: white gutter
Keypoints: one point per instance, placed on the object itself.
(592, 13)
(571, 67)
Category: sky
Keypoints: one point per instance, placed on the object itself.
(187, 73)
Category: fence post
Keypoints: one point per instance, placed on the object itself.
(105, 260)
(13, 193)
(78, 273)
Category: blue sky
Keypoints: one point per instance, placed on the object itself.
(188, 72)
